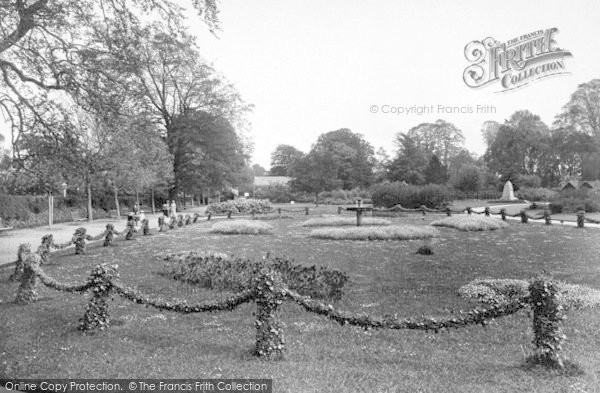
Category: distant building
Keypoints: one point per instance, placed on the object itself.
(581, 185)
(265, 181)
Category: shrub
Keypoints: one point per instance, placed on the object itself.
(469, 178)
(499, 291)
(242, 227)
(470, 223)
(241, 205)
(276, 193)
(341, 221)
(221, 272)
(410, 196)
(569, 201)
(529, 181)
(405, 232)
(535, 194)
(344, 197)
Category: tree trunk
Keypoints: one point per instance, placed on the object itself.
(137, 197)
(116, 192)
(89, 201)
(152, 195)
(184, 199)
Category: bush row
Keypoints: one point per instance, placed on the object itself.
(218, 271)
(571, 201)
(241, 205)
(410, 196)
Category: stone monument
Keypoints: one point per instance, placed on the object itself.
(508, 193)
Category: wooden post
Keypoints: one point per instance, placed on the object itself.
(547, 217)
(580, 218)
(358, 217)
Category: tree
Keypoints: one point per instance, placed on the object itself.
(282, 158)
(469, 179)
(435, 173)
(177, 86)
(410, 161)
(314, 173)
(207, 151)
(73, 46)
(520, 146)
(489, 130)
(582, 112)
(440, 138)
(382, 164)
(352, 157)
(258, 170)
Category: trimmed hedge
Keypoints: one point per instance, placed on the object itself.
(410, 196)
(241, 205)
(217, 271)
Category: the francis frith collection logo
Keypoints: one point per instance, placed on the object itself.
(516, 62)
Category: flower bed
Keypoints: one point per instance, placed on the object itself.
(470, 223)
(405, 232)
(240, 206)
(501, 291)
(218, 271)
(242, 227)
(342, 221)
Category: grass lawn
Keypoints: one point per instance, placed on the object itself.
(386, 277)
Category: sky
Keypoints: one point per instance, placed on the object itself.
(313, 66)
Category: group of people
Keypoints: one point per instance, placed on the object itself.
(169, 209)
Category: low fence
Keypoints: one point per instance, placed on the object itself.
(269, 292)
(580, 217)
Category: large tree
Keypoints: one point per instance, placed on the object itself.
(582, 112)
(282, 158)
(520, 146)
(441, 138)
(352, 157)
(314, 173)
(410, 161)
(208, 153)
(76, 46)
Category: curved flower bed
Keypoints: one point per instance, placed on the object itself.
(343, 221)
(470, 223)
(498, 291)
(242, 227)
(404, 232)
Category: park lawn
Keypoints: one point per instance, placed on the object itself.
(386, 277)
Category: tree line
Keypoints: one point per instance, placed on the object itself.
(522, 149)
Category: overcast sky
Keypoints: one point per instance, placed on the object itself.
(313, 66)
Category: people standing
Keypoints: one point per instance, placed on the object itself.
(173, 209)
(165, 209)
